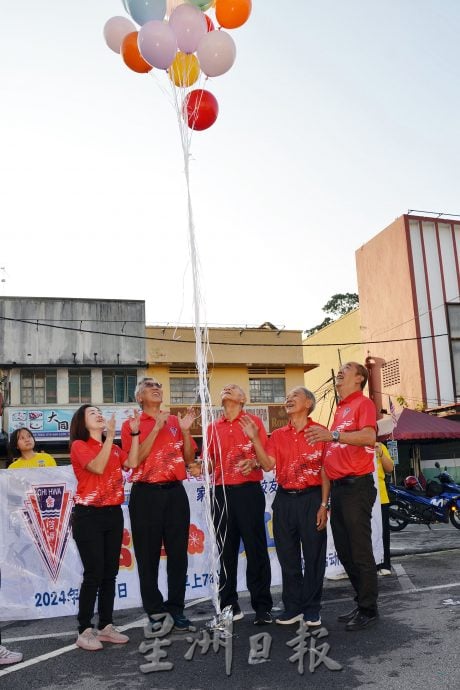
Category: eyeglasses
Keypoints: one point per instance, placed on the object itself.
(151, 384)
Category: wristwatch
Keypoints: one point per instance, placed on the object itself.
(323, 505)
(335, 435)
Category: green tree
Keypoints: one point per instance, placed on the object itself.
(339, 305)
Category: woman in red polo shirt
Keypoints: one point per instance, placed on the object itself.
(97, 518)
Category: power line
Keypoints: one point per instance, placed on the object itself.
(37, 323)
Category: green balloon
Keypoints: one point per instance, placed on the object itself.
(203, 5)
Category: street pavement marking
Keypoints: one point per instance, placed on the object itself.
(404, 579)
(141, 622)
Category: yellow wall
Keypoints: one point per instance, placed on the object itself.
(227, 363)
(345, 330)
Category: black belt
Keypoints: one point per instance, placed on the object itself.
(299, 492)
(350, 479)
(158, 485)
(235, 486)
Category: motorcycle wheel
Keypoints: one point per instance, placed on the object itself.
(454, 516)
(397, 523)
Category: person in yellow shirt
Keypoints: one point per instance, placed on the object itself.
(385, 466)
(22, 443)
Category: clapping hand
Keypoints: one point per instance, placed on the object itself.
(249, 427)
(110, 427)
(134, 422)
(186, 421)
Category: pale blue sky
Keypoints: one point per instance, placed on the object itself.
(336, 118)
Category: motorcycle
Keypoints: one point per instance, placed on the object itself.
(448, 483)
(410, 504)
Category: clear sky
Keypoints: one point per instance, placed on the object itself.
(336, 118)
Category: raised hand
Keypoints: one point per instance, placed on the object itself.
(186, 421)
(135, 421)
(249, 427)
(110, 427)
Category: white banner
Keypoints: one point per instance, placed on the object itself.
(40, 567)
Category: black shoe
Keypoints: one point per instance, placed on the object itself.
(361, 621)
(263, 618)
(345, 617)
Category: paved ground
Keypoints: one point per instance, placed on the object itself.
(414, 643)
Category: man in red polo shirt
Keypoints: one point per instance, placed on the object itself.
(349, 464)
(299, 508)
(239, 503)
(158, 506)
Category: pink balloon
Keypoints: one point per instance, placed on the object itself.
(115, 29)
(157, 43)
(189, 25)
(216, 52)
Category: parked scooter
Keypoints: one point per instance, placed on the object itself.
(448, 483)
(410, 504)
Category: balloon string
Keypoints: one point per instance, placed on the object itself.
(201, 350)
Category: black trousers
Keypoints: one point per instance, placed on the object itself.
(351, 510)
(240, 515)
(386, 563)
(295, 532)
(98, 533)
(160, 515)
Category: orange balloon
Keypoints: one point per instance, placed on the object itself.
(231, 14)
(131, 55)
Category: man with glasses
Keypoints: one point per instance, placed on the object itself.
(158, 506)
(349, 464)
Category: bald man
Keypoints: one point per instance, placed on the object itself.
(239, 507)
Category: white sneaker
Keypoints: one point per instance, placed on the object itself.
(337, 576)
(7, 657)
(313, 623)
(384, 571)
(111, 634)
(88, 640)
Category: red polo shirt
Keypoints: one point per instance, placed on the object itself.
(298, 462)
(97, 490)
(165, 462)
(228, 445)
(353, 414)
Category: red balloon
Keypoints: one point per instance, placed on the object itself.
(209, 23)
(200, 109)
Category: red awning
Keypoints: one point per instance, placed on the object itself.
(420, 425)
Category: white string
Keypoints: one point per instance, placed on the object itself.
(202, 348)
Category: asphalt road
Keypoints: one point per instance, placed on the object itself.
(416, 641)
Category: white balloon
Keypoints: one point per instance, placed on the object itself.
(216, 52)
(189, 26)
(115, 29)
(157, 43)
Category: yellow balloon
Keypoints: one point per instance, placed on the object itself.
(185, 69)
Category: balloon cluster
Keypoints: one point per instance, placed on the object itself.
(178, 36)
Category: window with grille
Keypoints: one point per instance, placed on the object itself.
(118, 385)
(453, 313)
(267, 390)
(390, 373)
(38, 386)
(80, 386)
(184, 390)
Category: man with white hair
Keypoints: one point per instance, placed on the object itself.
(299, 508)
(159, 509)
(239, 507)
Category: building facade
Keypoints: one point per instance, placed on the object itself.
(329, 348)
(409, 293)
(56, 354)
(266, 362)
